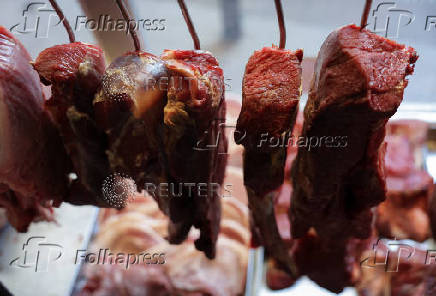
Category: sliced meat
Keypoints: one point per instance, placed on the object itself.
(33, 163)
(358, 85)
(270, 95)
(74, 72)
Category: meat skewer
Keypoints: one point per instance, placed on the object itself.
(358, 85)
(33, 163)
(74, 72)
(271, 90)
(153, 129)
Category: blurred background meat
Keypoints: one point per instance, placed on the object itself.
(405, 212)
(407, 271)
(141, 227)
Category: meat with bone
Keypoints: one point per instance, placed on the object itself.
(358, 85)
(33, 162)
(270, 95)
(159, 114)
(74, 72)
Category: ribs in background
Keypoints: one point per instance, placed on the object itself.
(155, 112)
(358, 85)
(33, 163)
(74, 72)
(271, 89)
(193, 118)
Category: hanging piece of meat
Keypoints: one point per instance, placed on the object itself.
(270, 97)
(193, 120)
(162, 116)
(33, 162)
(271, 90)
(74, 72)
(358, 85)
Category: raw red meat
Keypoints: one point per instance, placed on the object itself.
(33, 162)
(74, 72)
(161, 117)
(358, 85)
(270, 97)
(194, 121)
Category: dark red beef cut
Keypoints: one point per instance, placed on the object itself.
(195, 143)
(74, 72)
(33, 162)
(130, 111)
(270, 95)
(357, 86)
(161, 116)
(332, 264)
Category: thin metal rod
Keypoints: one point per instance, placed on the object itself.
(365, 14)
(64, 20)
(127, 18)
(189, 23)
(281, 21)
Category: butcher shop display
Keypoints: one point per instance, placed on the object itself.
(314, 176)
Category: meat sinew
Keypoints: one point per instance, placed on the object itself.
(33, 162)
(270, 95)
(358, 85)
